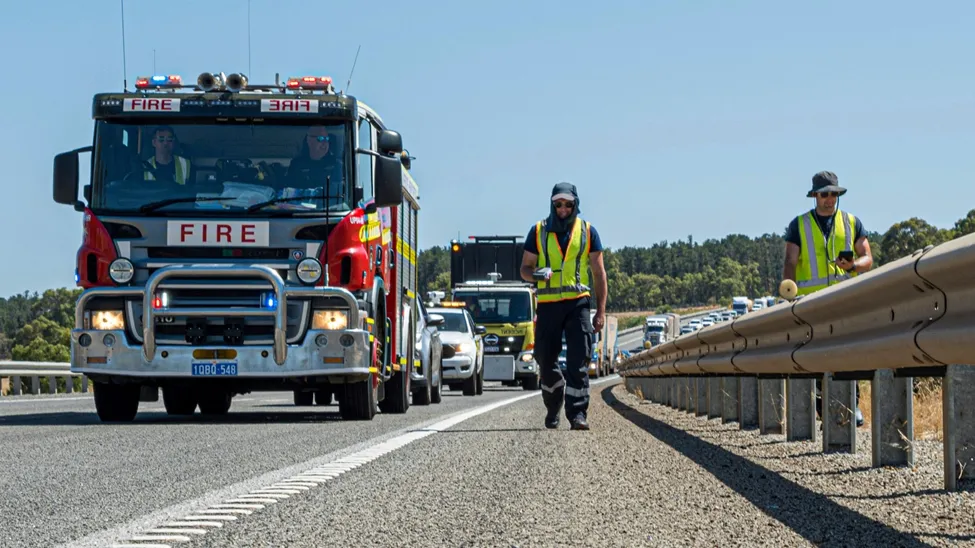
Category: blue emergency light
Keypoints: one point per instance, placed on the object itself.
(268, 301)
(159, 81)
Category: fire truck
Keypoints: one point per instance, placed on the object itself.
(240, 237)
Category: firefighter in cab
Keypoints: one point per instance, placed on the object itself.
(563, 257)
(166, 165)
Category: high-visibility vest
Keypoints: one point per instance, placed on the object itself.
(816, 268)
(570, 272)
(182, 169)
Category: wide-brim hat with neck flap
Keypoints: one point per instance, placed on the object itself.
(825, 181)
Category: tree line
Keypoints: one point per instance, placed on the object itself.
(36, 326)
(688, 273)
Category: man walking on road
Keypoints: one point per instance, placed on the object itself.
(825, 246)
(559, 252)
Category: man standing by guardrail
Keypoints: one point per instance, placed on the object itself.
(825, 246)
(558, 254)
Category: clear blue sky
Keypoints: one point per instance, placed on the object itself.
(673, 118)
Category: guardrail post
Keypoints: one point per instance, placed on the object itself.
(84, 383)
(52, 385)
(729, 389)
(839, 415)
(892, 419)
(771, 408)
(715, 401)
(68, 385)
(747, 402)
(672, 392)
(701, 396)
(800, 409)
(958, 393)
(690, 394)
(15, 385)
(35, 385)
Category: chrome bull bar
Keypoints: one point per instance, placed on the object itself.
(279, 313)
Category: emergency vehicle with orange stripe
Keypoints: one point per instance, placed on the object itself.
(240, 237)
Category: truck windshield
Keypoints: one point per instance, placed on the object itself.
(222, 168)
(655, 328)
(487, 307)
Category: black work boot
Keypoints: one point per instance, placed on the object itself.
(579, 423)
(552, 418)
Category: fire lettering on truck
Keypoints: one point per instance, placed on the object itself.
(217, 233)
(289, 105)
(147, 104)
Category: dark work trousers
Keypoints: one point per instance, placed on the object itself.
(570, 318)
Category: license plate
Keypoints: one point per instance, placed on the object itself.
(219, 369)
(492, 348)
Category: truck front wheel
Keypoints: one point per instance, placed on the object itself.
(116, 402)
(358, 401)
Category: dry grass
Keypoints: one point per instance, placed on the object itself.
(928, 419)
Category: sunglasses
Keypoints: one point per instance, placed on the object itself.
(320, 138)
(560, 204)
(828, 194)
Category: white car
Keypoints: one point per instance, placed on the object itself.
(465, 369)
(707, 322)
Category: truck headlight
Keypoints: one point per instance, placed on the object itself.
(332, 320)
(309, 270)
(106, 320)
(121, 271)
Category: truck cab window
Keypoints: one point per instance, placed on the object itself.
(364, 162)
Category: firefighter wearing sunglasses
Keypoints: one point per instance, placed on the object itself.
(166, 165)
(317, 159)
(559, 253)
(825, 246)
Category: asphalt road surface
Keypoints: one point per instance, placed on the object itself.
(472, 471)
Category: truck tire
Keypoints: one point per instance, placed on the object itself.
(397, 400)
(116, 402)
(216, 403)
(358, 402)
(303, 399)
(323, 397)
(179, 400)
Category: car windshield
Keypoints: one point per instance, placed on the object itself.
(488, 307)
(226, 167)
(453, 321)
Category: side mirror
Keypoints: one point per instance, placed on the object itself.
(66, 178)
(389, 182)
(480, 330)
(447, 352)
(435, 319)
(390, 142)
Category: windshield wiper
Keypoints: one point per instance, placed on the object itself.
(262, 205)
(152, 206)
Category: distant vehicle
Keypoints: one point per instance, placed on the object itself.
(741, 305)
(660, 328)
(707, 322)
(686, 329)
(465, 369)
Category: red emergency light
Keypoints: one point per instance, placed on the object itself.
(310, 82)
(159, 81)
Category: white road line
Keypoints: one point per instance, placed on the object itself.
(261, 490)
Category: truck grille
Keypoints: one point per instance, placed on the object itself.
(223, 330)
(514, 346)
(218, 253)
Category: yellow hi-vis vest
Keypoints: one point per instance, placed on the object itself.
(816, 268)
(570, 273)
(182, 169)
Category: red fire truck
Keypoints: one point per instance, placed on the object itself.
(239, 238)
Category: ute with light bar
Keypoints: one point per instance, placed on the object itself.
(227, 274)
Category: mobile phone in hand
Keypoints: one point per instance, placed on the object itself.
(846, 255)
(542, 274)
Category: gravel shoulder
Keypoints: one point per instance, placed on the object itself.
(645, 475)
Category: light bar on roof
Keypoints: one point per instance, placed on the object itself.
(310, 82)
(159, 81)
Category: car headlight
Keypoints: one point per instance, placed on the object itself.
(309, 270)
(464, 348)
(107, 320)
(121, 271)
(331, 320)
(526, 357)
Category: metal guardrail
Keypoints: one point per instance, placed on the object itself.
(914, 317)
(14, 370)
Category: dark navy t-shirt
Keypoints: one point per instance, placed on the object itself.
(595, 244)
(825, 225)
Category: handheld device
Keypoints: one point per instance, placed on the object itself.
(847, 255)
(542, 274)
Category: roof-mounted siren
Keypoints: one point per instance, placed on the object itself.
(159, 81)
(323, 83)
(236, 82)
(209, 81)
